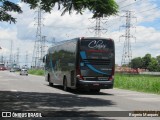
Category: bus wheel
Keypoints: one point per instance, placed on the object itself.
(50, 84)
(65, 84)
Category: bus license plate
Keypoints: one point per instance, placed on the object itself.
(96, 84)
(103, 78)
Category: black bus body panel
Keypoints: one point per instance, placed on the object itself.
(68, 59)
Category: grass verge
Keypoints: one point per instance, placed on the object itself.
(36, 72)
(142, 83)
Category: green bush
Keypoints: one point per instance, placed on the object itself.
(36, 72)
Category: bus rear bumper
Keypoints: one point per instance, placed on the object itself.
(95, 84)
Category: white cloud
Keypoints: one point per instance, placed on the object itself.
(155, 46)
(147, 34)
(66, 26)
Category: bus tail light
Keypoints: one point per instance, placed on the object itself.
(113, 69)
(112, 74)
(79, 76)
(111, 78)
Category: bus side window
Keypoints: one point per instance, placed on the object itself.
(44, 59)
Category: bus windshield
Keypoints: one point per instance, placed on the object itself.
(97, 48)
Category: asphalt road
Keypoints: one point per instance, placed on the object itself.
(32, 93)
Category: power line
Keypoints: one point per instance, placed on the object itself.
(148, 10)
(122, 1)
(130, 4)
(138, 12)
(65, 27)
(120, 8)
(141, 11)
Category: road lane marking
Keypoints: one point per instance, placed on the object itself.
(147, 99)
(13, 90)
(6, 80)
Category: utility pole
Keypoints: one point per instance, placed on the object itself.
(127, 52)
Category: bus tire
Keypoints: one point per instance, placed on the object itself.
(49, 80)
(65, 84)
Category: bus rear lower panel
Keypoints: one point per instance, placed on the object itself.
(82, 84)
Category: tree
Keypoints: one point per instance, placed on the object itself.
(136, 63)
(7, 6)
(153, 65)
(158, 59)
(146, 60)
(99, 8)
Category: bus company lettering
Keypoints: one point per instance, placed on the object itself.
(96, 44)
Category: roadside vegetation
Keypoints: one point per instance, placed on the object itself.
(147, 62)
(36, 72)
(142, 83)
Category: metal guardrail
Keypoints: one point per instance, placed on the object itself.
(149, 73)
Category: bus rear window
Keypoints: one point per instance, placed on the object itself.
(97, 48)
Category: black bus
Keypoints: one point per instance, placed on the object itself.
(81, 63)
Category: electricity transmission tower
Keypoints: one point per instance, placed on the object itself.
(127, 52)
(53, 42)
(98, 29)
(17, 56)
(37, 53)
(26, 61)
(43, 47)
(11, 56)
(2, 59)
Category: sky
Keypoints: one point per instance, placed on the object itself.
(145, 21)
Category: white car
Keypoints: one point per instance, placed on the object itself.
(12, 70)
(24, 72)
